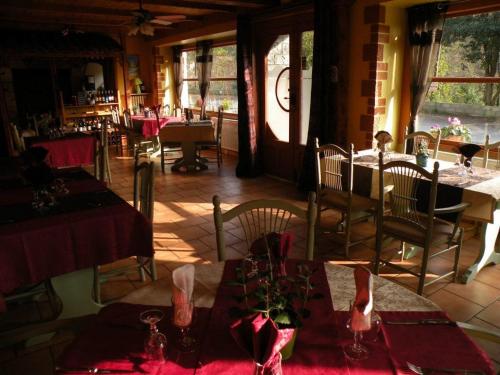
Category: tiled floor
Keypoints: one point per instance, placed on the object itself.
(184, 233)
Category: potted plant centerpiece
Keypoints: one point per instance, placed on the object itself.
(266, 288)
(454, 131)
(422, 154)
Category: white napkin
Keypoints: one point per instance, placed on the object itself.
(182, 292)
(363, 304)
(183, 280)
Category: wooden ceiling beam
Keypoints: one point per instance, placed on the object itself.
(195, 4)
(77, 10)
(239, 3)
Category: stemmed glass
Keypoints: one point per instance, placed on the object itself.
(356, 350)
(155, 344)
(182, 319)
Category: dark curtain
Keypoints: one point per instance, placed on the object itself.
(108, 69)
(248, 163)
(328, 116)
(204, 60)
(178, 74)
(425, 28)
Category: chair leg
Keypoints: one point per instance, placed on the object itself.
(97, 285)
(423, 270)
(141, 264)
(347, 234)
(162, 157)
(108, 169)
(457, 255)
(378, 250)
(152, 265)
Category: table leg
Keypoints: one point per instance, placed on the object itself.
(189, 159)
(75, 290)
(487, 252)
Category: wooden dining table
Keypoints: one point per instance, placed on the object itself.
(89, 226)
(481, 190)
(115, 341)
(188, 135)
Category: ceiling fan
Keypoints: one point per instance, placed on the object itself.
(145, 22)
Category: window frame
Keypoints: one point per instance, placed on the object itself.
(460, 12)
(232, 116)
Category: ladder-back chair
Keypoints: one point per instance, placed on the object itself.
(334, 190)
(490, 147)
(102, 170)
(405, 220)
(263, 216)
(420, 136)
(217, 143)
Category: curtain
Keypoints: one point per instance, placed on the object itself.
(248, 162)
(178, 74)
(425, 27)
(328, 115)
(204, 70)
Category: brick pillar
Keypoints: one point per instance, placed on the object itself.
(373, 54)
(159, 76)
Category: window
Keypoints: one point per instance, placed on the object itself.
(223, 88)
(464, 97)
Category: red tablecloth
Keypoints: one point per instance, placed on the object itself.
(116, 341)
(149, 126)
(72, 150)
(318, 349)
(98, 230)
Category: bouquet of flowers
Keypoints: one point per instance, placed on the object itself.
(454, 128)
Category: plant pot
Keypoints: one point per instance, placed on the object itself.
(287, 350)
(422, 160)
(455, 138)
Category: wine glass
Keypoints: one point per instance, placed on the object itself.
(155, 344)
(356, 351)
(182, 318)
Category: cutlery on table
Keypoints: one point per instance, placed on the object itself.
(428, 370)
(422, 322)
(89, 370)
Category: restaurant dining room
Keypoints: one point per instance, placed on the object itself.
(268, 187)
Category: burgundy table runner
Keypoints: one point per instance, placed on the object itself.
(70, 150)
(149, 128)
(115, 341)
(316, 348)
(36, 249)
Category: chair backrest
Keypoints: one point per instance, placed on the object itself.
(156, 110)
(263, 216)
(218, 128)
(144, 174)
(329, 161)
(405, 179)
(127, 120)
(17, 141)
(487, 148)
(177, 112)
(165, 110)
(115, 116)
(101, 157)
(420, 136)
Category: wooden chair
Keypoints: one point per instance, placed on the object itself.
(405, 223)
(165, 147)
(16, 139)
(102, 170)
(177, 111)
(487, 148)
(334, 185)
(419, 136)
(141, 146)
(217, 143)
(144, 203)
(261, 217)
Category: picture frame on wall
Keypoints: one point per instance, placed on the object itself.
(133, 66)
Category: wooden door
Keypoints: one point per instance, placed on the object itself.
(284, 73)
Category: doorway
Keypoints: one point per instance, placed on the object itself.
(284, 76)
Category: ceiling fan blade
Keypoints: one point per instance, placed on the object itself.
(160, 22)
(171, 17)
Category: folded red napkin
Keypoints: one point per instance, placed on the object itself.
(261, 339)
(363, 304)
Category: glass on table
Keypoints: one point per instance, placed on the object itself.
(155, 344)
(182, 319)
(356, 350)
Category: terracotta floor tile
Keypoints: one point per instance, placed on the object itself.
(475, 291)
(457, 307)
(491, 314)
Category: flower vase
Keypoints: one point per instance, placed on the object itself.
(287, 350)
(455, 138)
(422, 160)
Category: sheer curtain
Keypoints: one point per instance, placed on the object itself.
(248, 147)
(425, 26)
(178, 74)
(204, 70)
